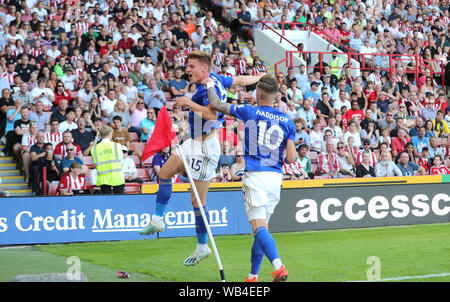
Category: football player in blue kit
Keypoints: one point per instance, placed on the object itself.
(268, 133)
(202, 150)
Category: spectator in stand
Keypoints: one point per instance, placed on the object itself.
(120, 134)
(158, 160)
(69, 124)
(178, 86)
(430, 111)
(53, 136)
(354, 132)
(45, 95)
(328, 161)
(50, 164)
(345, 161)
(354, 112)
(73, 181)
(420, 141)
(434, 148)
(61, 148)
(306, 114)
(129, 168)
(70, 158)
(386, 167)
(39, 116)
(365, 169)
(60, 114)
(147, 125)
(238, 167)
(366, 149)
(399, 142)
(28, 139)
(82, 137)
(440, 126)
(224, 174)
(438, 168)
(36, 152)
(408, 167)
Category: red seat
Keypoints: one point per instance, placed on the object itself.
(132, 188)
(88, 161)
(143, 174)
(137, 146)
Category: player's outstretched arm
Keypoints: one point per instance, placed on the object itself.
(213, 98)
(247, 80)
(206, 112)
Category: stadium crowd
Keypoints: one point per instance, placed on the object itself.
(69, 67)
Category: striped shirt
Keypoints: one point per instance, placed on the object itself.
(53, 138)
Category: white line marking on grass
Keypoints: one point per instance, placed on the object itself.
(405, 278)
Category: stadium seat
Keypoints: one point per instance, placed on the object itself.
(132, 188)
(134, 137)
(144, 174)
(88, 161)
(168, 96)
(314, 157)
(169, 104)
(137, 146)
(52, 188)
(147, 163)
(314, 168)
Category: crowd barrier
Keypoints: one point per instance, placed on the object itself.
(305, 205)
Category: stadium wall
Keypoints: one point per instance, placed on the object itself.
(305, 205)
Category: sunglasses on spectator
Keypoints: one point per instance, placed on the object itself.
(70, 149)
(340, 148)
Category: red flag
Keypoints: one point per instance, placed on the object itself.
(163, 136)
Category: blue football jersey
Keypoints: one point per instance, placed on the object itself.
(267, 130)
(198, 125)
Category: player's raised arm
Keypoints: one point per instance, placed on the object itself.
(214, 99)
(247, 80)
(206, 112)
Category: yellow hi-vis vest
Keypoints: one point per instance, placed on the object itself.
(334, 64)
(107, 157)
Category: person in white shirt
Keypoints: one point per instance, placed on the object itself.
(341, 101)
(69, 123)
(147, 66)
(53, 51)
(386, 167)
(68, 79)
(108, 104)
(43, 94)
(129, 168)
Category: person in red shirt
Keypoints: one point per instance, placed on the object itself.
(72, 182)
(61, 149)
(125, 43)
(398, 144)
(227, 133)
(438, 168)
(354, 112)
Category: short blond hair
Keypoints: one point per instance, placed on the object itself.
(105, 131)
(201, 56)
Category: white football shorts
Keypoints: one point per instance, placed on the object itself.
(261, 193)
(202, 156)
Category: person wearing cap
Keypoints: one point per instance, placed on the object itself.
(108, 160)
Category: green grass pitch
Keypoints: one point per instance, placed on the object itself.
(319, 256)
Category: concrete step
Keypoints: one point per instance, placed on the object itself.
(13, 186)
(27, 192)
(10, 172)
(12, 179)
(6, 160)
(7, 166)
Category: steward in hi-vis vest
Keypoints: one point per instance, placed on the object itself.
(107, 156)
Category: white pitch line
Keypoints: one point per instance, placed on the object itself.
(405, 278)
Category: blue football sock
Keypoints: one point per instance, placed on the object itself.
(257, 257)
(266, 243)
(200, 227)
(163, 196)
